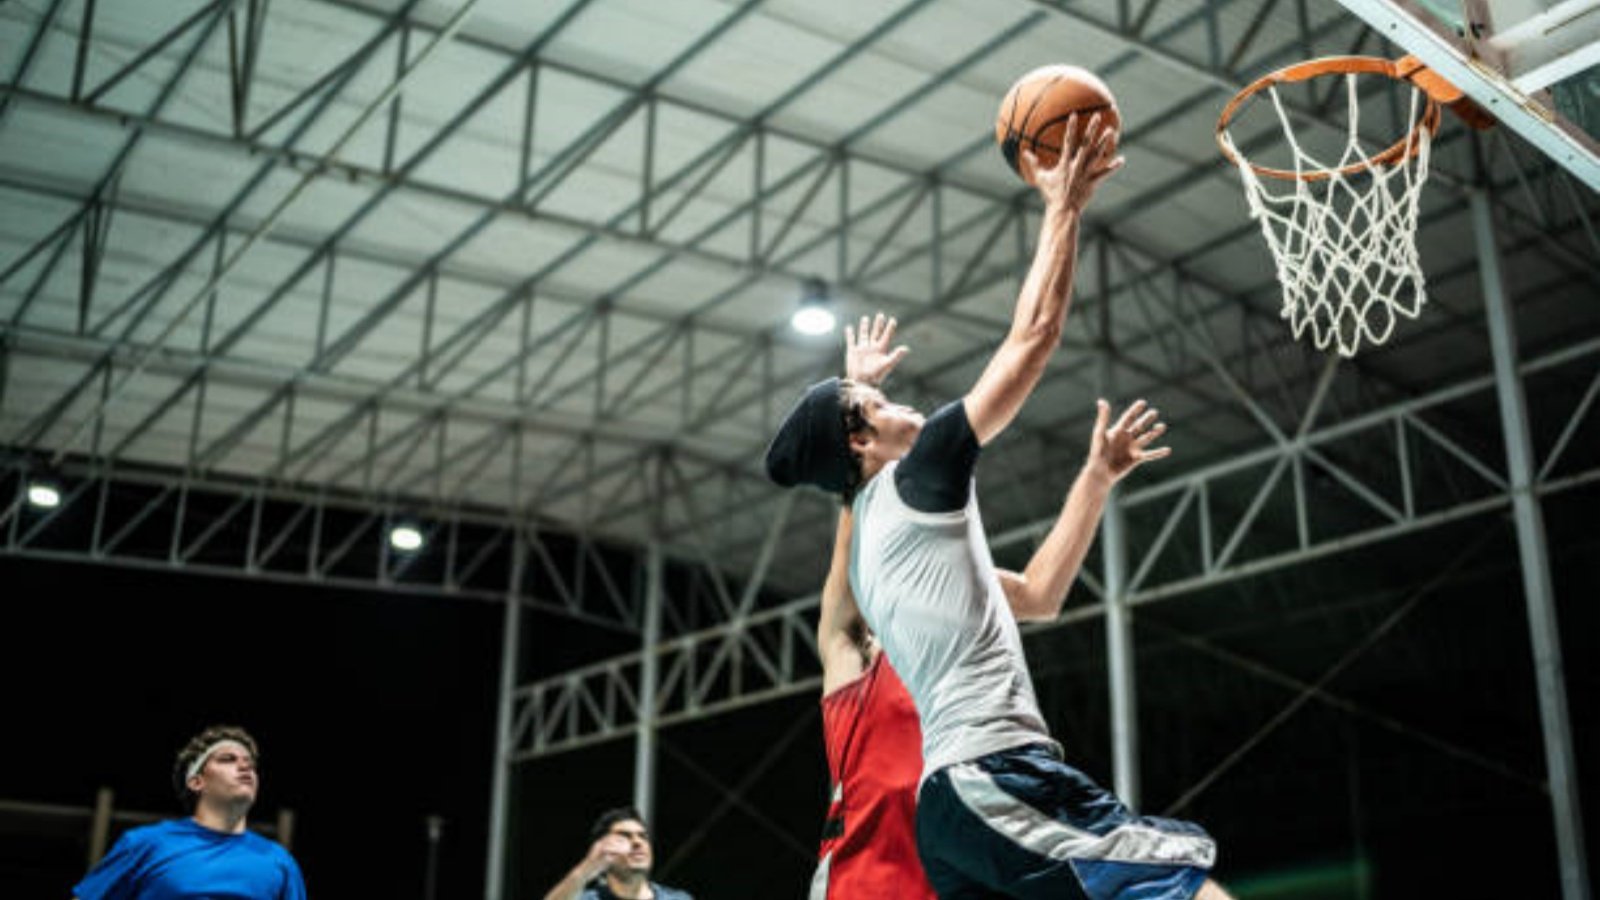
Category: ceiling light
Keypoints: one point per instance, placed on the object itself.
(814, 317)
(406, 538)
(43, 495)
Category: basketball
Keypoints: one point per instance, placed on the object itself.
(1034, 112)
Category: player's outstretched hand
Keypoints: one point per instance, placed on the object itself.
(867, 357)
(1080, 168)
(1119, 448)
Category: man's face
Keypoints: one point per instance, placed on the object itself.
(897, 426)
(229, 776)
(640, 856)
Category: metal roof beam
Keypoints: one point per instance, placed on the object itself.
(770, 625)
(167, 277)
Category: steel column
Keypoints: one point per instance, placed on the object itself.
(499, 799)
(1114, 574)
(1119, 655)
(644, 760)
(1535, 557)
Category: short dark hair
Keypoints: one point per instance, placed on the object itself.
(603, 823)
(196, 746)
(855, 422)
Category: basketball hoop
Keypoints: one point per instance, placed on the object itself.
(1344, 235)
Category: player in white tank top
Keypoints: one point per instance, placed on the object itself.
(923, 574)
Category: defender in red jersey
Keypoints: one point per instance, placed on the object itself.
(869, 840)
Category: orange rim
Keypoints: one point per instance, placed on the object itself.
(1406, 69)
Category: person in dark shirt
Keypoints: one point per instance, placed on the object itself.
(617, 866)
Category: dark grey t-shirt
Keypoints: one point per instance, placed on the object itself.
(599, 891)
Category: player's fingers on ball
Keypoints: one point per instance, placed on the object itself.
(1105, 136)
(1106, 171)
(1028, 162)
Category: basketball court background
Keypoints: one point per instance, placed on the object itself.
(278, 276)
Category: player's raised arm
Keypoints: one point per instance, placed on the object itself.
(1041, 311)
(1115, 449)
(843, 643)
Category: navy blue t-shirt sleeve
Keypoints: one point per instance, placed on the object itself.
(118, 873)
(936, 474)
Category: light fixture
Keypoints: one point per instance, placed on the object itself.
(43, 494)
(406, 538)
(813, 317)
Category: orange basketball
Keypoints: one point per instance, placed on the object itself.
(1034, 112)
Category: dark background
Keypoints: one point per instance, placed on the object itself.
(375, 712)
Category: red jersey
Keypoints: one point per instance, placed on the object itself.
(869, 843)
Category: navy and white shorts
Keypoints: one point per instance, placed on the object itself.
(1022, 823)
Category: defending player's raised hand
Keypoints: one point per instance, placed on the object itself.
(1081, 167)
(867, 357)
(1119, 448)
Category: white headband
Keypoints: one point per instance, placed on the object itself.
(200, 761)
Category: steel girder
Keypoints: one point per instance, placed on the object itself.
(1190, 359)
(672, 336)
(150, 521)
(40, 427)
(592, 377)
(420, 407)
(1315, 495)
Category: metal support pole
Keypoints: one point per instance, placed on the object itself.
(430, 881)
(494, 877)
(1119, 615)
(644, 760)
(1119, 656)
(100, 826)
(1539, 593)
(285, 828)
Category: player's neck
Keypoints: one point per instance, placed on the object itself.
(871, 466)
(630, 886)
(228, 819)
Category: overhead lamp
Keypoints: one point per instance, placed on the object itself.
(406, 538)
(43, 494)
(814, 315)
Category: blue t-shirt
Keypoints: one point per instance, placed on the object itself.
(182, 859)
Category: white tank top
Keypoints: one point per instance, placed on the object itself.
(926, 585)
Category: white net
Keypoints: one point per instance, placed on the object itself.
(1345, 244)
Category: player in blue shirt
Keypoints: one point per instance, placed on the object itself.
(210, 855)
